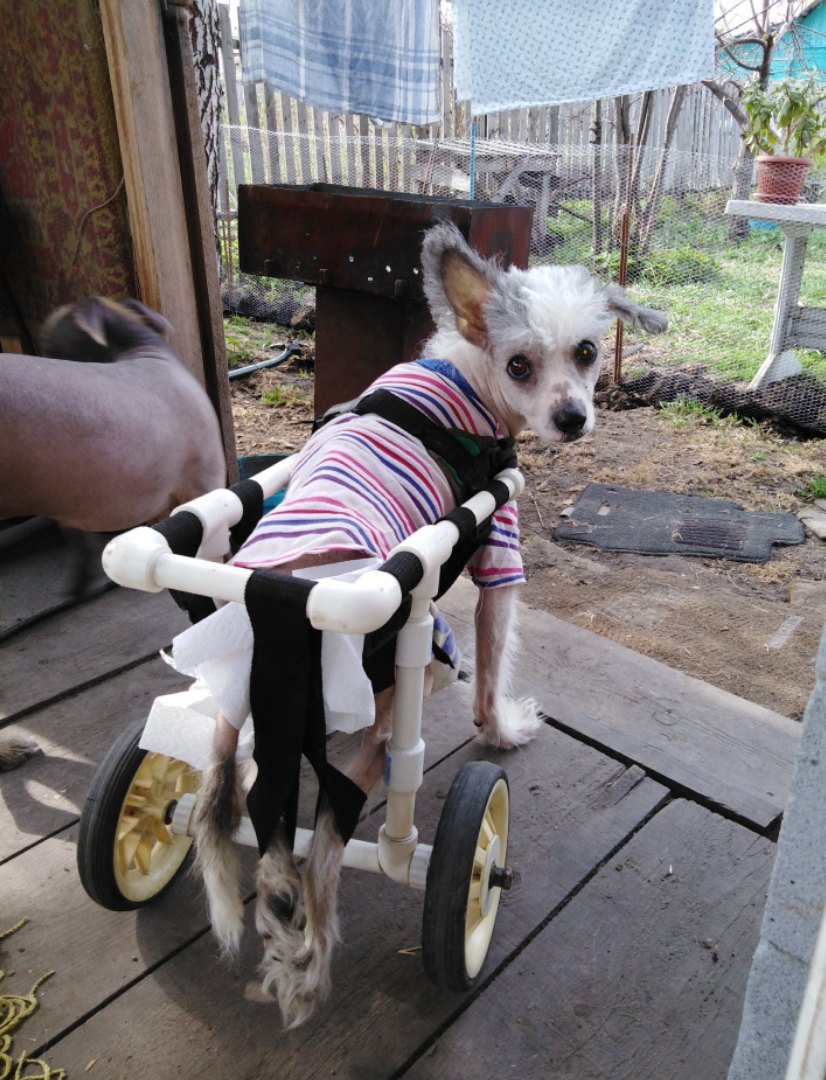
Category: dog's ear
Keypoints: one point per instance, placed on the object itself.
(466, 290)
(655, 322)
(457, 282)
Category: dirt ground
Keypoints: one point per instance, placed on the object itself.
(751, 628)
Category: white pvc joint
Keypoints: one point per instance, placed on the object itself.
(131, 558)
(354, 607)
(395, 855)
(419, 865)
(405, 767)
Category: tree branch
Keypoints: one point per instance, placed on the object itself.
(728, 100)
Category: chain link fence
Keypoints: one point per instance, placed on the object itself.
(716, 276)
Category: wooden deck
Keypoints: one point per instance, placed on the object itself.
(641, 838)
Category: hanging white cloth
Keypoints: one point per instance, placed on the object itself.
(373, 57)
(547, 52)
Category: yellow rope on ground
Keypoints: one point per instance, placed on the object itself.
(14, 1009)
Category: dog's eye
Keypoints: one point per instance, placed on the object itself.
(586, 352)
(519, 367)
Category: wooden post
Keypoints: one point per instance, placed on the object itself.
(200, 227)
(231, 89)
(623, 267)
(134, 40)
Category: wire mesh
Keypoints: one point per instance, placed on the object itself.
(716, 276)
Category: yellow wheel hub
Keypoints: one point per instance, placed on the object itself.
(483, 899)
(147, 853)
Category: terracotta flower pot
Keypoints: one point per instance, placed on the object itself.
(780, 179)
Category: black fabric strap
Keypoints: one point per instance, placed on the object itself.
(471, 536)
(184, 533)
(252, 502)
(467, 472)
(288, 710)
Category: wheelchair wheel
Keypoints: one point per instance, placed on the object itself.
(466, 876)
(126, 852)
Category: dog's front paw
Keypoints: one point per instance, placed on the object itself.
(514, 723)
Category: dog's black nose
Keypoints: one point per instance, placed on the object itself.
(570, 419)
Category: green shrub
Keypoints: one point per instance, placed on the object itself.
(607, 265)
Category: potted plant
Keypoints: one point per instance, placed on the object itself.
(786, 128)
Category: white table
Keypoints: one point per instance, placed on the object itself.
(794, 324)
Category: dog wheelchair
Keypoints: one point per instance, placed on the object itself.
(134, 831)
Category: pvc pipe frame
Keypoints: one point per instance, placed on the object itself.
(141, 559)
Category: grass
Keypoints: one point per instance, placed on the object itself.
(723, 322)
(814, 487)
(727, 326)
(685, 411)
(282, 395)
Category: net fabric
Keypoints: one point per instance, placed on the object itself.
(716, 275)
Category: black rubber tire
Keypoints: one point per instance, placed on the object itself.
(99, 822)
(446, 903)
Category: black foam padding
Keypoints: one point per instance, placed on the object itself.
(252, 503)
(183, 532)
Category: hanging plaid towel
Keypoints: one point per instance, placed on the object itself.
(371, 57)
(547, 52)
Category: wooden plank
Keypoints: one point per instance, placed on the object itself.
(318, 146)
(302, 144)
(201, 227)
(93, 952)
(146, 131)
(84, 644)
(350, 131)
(274, 141)
(287, 137)
(731, 752)
(38, 563)
(572, 807)
(641, 976)
(231, 92)
(254, 132)
(47, 794)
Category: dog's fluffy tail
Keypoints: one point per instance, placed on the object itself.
(297, 919)
(217, 816)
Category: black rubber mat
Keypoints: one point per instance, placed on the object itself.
(659, 523)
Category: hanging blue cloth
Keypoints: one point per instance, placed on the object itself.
(371, 57)
(546, 52)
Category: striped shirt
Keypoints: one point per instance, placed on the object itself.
(361, 485)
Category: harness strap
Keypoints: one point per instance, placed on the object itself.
(184, 532)
(469, 462)
(288, 710)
